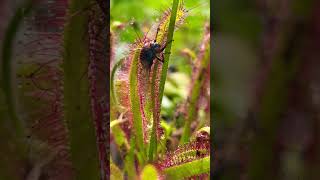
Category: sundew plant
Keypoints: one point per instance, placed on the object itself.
(160, 90)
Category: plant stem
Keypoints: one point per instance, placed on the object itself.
(153, 141)
(168, 48)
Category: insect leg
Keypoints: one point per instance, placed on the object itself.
(162, 56)
(135, 27)
(155, 39)
(161, 60)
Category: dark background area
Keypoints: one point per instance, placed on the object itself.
(266, 89)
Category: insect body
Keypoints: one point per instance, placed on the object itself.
(150, 51)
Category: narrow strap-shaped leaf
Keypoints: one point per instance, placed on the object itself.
(196, 167)
(203, 60)
(153, 140)
(135, 103)
(129, 161)
(112, 79)
(168, 48)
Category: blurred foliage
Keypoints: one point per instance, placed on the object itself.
(263, 73)
(32, 79)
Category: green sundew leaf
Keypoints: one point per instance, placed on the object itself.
(168, 48)
(205, 129)
(118, 134)
(135, 105)
(149, 172)
(153, 139)
(204, 58)
(191, 112)
(112, 89)
(115, 172)
(160, 38)
(84, 153)
(129, 161)
(196, 167)
(172, 19)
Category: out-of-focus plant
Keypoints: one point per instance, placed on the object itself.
(60, 93)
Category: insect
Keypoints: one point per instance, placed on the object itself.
(150, 51)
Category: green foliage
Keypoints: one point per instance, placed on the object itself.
(185, 170)
(203, 61)
(118, 133)
(151, 137)
(112, 88)
(172, 24)
(167, 52)
(153, 140)
(135, 106)
(149, 172)
(130, 161)
(115, 172)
